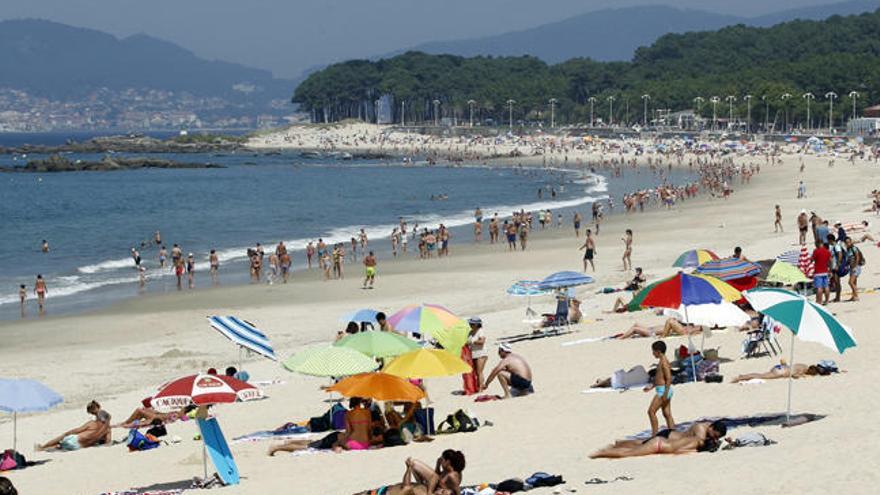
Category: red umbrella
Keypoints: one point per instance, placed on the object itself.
(805, 262)
(203, 390)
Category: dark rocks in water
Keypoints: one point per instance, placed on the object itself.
(57, 163)
(136, 144)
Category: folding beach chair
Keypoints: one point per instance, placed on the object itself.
(762, 340)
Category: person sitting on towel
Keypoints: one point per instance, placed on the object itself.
(91, 433)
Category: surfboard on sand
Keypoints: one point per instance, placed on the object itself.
(219, 451)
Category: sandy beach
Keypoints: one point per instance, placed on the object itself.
(121, 354)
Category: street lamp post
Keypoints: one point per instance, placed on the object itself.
(645, 98)
(853, 95)
(436, 113)
(809, 97)
(766, 113)
(510, 110)
(403, 113)
(553, 102)
(592, 101)
(611, 111)
(471, 104)
(715, 101)
(831, 95)
(698, 101)
(730, 99)
(748, 99)
(785, 97)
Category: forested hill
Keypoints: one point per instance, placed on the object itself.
(840, 54)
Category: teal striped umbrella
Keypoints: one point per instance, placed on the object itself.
(809, 321)
(330, 361)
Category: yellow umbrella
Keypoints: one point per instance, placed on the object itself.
(426, 363)
(786, 274)
(378, 386)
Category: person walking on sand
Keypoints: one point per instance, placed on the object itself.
(310, 253)
(627, 250)
(822, 260)
(803, 223)
(40, 290)
(590, 250)
(22, 298)
(191, 270)
(285, 261)
(214, 260)
(856, 261)
(777, 224)
(662, 387)
(369, 270)
(577, 224)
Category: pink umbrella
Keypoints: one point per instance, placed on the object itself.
(202, 390)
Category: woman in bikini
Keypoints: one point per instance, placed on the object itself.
(40, 290)
(670, 327)
(444, 478)
(781, 370)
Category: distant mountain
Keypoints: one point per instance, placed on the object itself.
(64, 62)
(614, 34)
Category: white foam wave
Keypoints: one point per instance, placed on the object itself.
(68, 286)
(108, 265)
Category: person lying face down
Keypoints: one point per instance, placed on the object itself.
(700, 437)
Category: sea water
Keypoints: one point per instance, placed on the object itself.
(93, 219)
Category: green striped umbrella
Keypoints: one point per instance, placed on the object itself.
(378, 344)
(330, 361)
(809, 321)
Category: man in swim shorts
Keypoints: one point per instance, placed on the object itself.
(513, 373)
(369, 270)
(91, 433)
(662, 387)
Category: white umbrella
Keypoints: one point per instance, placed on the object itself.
(723, 314)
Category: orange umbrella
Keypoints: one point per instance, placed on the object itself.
(378, 386)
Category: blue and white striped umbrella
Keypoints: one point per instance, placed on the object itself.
(244, 334)
(563, 280)
(791, 257)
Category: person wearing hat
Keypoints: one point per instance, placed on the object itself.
(513, 373)
(477, 344)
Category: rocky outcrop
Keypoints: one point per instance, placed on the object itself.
(135, 144)
(58, 163)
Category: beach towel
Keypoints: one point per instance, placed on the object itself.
(469, 379)
(599, 390)
(288, 432)
(587, 340)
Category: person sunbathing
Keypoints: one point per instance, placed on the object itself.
(670, 327)
(445, 478)
(357, 434)
(93, 432)
(781, 370)
(700, 437)
(143, 416)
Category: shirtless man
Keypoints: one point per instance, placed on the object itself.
(214, 260)
(285, 262)
(45, 246)
(803, 224)
(91, 433)
(627, 249)
(662, 387)
(590, 250)
(369, 270)
(699, 437)
(777, 223)
(176, 255)
(577, 225)
(513, 373)
(157, 238)
(163, 255)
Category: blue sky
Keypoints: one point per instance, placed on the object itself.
(289, 36)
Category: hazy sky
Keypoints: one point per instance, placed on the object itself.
(289, 36)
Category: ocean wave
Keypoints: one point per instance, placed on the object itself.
(106, 266)
(70, 285)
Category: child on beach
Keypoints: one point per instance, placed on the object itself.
(22, 296)
(663, 388)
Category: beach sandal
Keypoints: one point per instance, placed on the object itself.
(595, 481)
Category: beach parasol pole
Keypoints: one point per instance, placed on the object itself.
(14, 430)
(790, 380)
(690, 344)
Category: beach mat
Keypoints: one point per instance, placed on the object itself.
(751, 421)
(289, 433)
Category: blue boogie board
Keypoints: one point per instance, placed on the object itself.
(219, 451)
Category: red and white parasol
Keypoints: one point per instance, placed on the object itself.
(805, 262)
(203, 390)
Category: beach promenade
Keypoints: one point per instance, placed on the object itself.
(120, 355)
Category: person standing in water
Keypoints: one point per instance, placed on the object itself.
(157, 238)
(45, 246)
(41, 291)
(310, 253)
(191, 270)
(369, 270)
(22, 298)
(214, 260)
(627, 250)
(162, 256)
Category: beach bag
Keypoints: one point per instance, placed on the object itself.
(12, 459)
(138, 441)
(158, 429)
(705, 368)
(510, 486)
(425, 419)
(540, 479)
(469, 379)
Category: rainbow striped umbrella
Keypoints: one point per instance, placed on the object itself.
(729, 268)
(433, 320)
(694, 257)
(682, 289)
